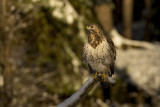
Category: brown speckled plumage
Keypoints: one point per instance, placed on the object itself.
(99, 51)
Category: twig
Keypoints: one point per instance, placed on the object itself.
(83, 91)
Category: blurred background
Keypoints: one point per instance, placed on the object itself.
(40, 51)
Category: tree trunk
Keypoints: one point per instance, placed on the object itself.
(104, 15)
(5, 57)
(127, 18)
(148, 16)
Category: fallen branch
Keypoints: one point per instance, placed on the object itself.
(120, 41)
(77, 97)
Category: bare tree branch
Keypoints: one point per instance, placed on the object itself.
(83, 91)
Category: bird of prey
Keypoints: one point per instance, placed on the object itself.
(99, 52)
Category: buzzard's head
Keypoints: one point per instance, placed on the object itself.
(95, 36)
(94, 28)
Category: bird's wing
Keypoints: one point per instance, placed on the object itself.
(112, 48)
(91, 70)
(112, 68)
(112, 54)
(84, 54)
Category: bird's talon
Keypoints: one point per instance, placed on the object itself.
(104, 76)
(95, 76)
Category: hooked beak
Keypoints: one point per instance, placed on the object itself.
(87, 27)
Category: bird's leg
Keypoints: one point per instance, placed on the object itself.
(95, 75)
(104, 76)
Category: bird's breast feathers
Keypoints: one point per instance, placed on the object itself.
(95, 56)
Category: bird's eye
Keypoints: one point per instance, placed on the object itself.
(91, 26)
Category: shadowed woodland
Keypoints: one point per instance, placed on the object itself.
(40, 52)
